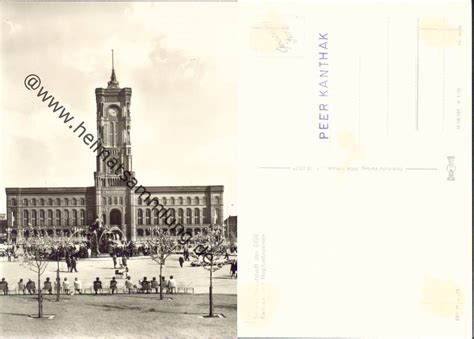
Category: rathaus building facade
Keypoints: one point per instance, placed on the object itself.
(67, 211)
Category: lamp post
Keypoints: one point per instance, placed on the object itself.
(9, 230)
(58, 279)
(56, 247)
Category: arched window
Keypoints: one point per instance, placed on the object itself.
(180, 200)
(58, 218)
(33, 218)
(25, 202)
(50, 202)
(121, 200)
(197, 217)
(196, 201)
(58, 202)
(74, 201)
(188, 201)
(104, 201)
(74, 218)
(13, 202)
(26, 218)
(66, 218)
(41, 202)
(189, 218)
(172, 201)
(164, 201)
(66, 201)
(140, 217)
(83, 214)
(205, 215)
(140, 232)
(156, 220)
(41, 217)
(180, 215)
(217, 200)
(33, 202)
(82, 201)
(110, 200)
(148, 217)
(50, 218)
(115, 201)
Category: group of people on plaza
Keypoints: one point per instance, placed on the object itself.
(72, 251)
(143, 286)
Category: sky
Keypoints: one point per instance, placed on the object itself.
(180, 61)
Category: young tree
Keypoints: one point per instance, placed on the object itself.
(38, 251)
(162, 246)
(212, 248)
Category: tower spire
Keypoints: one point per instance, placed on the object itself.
(113, 83)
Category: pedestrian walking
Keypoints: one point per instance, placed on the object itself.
(68, 262)
(114, 259)
(73, 264)
(181, 261)
(233, 269)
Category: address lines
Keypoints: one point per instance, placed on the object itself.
(330, 168)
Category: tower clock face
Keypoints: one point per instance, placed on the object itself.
(112, 111)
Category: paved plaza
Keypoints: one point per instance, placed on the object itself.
(139, 267)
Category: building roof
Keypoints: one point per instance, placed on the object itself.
(49, 190)
(91, 189)
(186, 189)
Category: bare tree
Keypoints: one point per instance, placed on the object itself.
(37, 254)
(212, 248)
(162, 246)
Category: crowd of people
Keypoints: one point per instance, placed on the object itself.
(84, 249)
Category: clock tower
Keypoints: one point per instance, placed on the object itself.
(114, 200)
